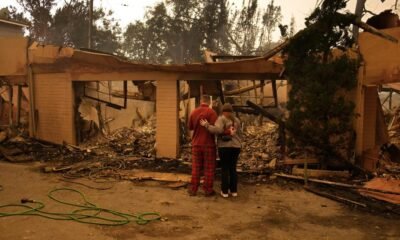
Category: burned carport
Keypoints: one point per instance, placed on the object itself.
(54, 70)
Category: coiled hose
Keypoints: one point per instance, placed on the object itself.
(86, 212)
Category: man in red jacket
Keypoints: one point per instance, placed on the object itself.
(203, 148)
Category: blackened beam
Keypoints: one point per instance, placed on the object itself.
(275, 116)
(275, 92)
(374, 31)
(221, 92)
(277, 49)
(247, 110)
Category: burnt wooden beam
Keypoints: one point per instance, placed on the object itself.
(275, 92)
(19, 98)
(10, 94)
(374, 31)
(275, 115)
(277, 49)
(220, 91)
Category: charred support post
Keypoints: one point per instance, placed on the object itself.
(255, 89)
(10, 94)
(125, 94)
(187, 113)
(19, 96)
(274, 92)
(32, 113)
(262, 86)
(221, 92)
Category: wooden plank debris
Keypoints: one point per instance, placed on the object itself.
(335, 184)
(320, 173)
(292, 161)
(177, 185)
(336, 198)
(383, 184)
(157, 176)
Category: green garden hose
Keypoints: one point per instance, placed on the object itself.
(86, 212)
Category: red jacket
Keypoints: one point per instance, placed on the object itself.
(201, 136)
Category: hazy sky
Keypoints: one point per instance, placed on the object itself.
(127, 11)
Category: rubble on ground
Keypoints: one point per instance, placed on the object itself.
(260, 148)
(125, 141)
(122, 142)
(388, 168)
(19, 147)
(123, 149)
(138, 141)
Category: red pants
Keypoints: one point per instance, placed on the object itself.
(203, 157)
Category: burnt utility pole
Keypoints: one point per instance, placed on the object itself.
(90, 23)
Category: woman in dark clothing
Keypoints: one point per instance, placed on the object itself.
(228, 131)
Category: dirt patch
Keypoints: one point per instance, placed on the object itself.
(265, 211)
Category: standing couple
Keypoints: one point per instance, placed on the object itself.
(205, 125)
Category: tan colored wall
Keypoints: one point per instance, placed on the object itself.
(7, 30)
(54, 104)
(167, 119)
(381, 57)
(13, 56)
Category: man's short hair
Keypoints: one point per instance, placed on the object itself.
(206, 99)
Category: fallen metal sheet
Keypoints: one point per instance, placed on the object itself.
(392, 185)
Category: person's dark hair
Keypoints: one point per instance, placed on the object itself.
(227, 108)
